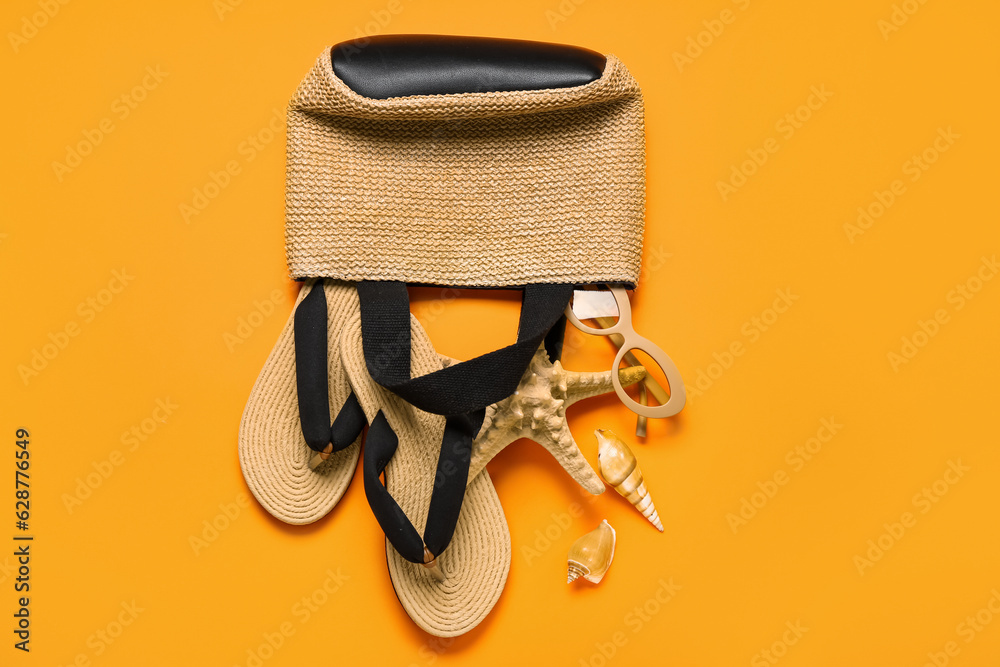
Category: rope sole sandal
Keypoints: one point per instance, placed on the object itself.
(447, 594)
(295, 460)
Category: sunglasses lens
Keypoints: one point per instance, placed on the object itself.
(595, 307)
(645, 393)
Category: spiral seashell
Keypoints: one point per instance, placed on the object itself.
(618, 467)
(591, 555)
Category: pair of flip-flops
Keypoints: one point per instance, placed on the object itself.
(315, 393)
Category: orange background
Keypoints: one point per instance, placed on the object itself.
(713, 264)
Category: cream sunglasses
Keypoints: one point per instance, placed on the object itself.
(633, 341)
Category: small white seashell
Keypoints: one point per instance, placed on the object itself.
(591, 555)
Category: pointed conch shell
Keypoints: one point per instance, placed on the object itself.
(619, 469)
(591, 555)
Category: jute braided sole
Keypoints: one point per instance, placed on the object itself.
(477, 561)
(273, 453)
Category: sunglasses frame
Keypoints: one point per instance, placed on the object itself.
(633, 341)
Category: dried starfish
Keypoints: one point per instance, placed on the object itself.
(537, 410)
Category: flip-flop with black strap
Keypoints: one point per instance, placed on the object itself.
(296, 459)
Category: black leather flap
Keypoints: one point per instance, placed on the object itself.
(401, 65)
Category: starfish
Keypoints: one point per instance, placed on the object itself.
(537, 410)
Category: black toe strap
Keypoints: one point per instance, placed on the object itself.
(449, 485)
(313, 380)
(347, 425)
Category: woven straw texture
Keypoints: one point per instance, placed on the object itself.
(274, 455)
(473, 189)
(477, 560)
